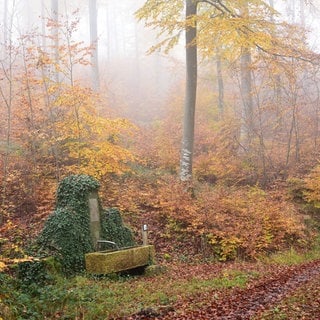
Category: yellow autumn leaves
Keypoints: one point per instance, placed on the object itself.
(226, 25)
(89, 143)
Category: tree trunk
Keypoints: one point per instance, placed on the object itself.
(190, 98)
(5, 27)
(55, 35)
(291, 10)
(302, 14)
(277, 88)
(246, 93)
(94, 43)
(7, 96)
(220, 85)
(43, 25)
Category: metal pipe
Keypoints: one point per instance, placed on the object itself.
(108, 242)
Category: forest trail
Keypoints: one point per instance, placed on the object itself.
(248, 303)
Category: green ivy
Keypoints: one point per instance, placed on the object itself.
(114, 230)
(74, 190)
(66, 234)
(33, 272)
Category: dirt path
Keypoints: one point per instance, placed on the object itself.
(242, 304)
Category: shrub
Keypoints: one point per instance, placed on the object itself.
(312, 188)
(234, 222)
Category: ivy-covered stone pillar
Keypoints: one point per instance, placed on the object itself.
(67, 232)
(95, 224)
(78, 222)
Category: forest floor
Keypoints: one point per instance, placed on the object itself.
(283, 292)
(285, 285)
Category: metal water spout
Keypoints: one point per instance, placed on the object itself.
(99, 242)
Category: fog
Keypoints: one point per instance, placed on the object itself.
(136, 83)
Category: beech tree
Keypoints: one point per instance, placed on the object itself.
(5, 24)
(215, 18)
(55, 35)
(238, 29)
(191, 92)
(247, 126)
(220, 84)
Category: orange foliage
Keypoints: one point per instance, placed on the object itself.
(55, 128)
(229, 222)
(311, 187)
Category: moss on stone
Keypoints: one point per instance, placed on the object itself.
(116, 261)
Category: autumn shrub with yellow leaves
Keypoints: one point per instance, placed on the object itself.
(311, 187)
(233, 222)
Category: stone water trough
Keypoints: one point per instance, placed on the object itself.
(117, 260)
(105, 262)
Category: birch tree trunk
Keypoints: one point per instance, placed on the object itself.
(94, 44)
(190, 97)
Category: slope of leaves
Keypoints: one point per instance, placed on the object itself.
(220, 222)
(303, 303)
(249, 302)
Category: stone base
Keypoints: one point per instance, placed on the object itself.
(116, 261)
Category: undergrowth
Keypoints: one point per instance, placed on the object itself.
(90, 297)
(102, 298)
(293, 256)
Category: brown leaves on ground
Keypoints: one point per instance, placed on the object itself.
(290, 292)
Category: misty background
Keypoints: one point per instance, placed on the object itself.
(138, 84)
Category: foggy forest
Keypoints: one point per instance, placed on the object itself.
(196, 119)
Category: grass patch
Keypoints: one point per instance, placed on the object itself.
(104, 298)
(294, 257)
(228, 279)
